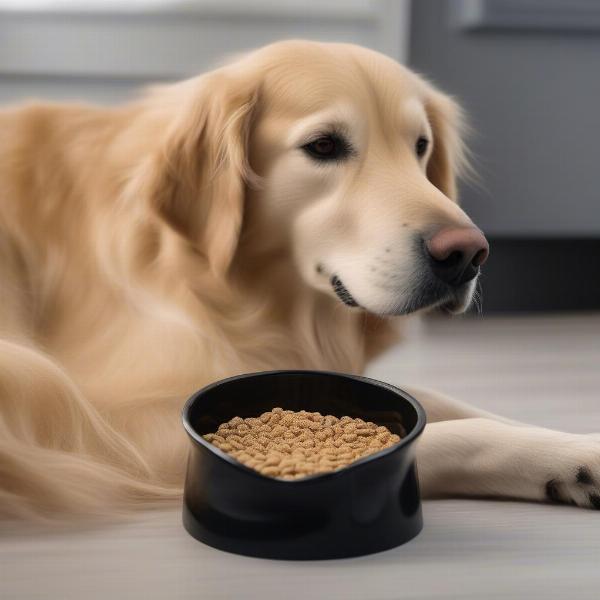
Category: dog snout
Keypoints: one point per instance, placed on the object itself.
(456, 253)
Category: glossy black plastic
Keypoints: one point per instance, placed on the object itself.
(371, 505)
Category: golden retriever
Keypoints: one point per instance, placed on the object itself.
(217, 226)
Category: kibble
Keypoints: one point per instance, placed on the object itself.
(290, 445)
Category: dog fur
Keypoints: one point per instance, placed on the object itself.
(151, 248)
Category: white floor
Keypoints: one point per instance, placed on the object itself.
(542, 370)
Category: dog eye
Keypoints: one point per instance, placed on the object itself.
(421, 146)
(328, 147)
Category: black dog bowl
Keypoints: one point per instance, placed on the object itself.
(371, 505)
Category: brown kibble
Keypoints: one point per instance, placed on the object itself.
(277, 431)
(345, 456)
(272, 460)
(275, 418)
(383, 437)
(291, 445)
(272, 471)
(287, 420)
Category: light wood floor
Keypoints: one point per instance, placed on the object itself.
(542, 370)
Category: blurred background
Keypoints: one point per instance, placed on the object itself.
(528, 75)
(526, 71)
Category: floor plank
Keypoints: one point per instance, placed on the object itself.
(544, 370)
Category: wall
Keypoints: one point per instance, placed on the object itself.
(105, 51)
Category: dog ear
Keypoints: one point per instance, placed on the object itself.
(195, 182)
(449, 158)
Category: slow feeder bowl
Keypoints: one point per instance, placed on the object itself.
(370, 505)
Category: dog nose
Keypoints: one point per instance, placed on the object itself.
(457, 253)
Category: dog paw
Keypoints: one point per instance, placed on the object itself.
(577, 480)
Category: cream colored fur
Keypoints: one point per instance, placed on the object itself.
(151, 248)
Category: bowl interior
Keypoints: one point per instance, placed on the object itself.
(315, 391)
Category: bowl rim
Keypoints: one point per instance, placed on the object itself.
(405, 441)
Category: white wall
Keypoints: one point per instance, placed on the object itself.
(104, 51)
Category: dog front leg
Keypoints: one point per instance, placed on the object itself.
(487, 458)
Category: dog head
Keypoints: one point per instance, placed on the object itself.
(333, 154)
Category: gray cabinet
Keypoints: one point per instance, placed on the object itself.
(528, 74)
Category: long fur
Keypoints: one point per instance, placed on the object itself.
(127, 281)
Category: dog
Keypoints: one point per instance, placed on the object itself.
(287, 210)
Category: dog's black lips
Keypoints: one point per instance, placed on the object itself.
(342, 293)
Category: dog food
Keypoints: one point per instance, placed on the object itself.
(290, 445)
